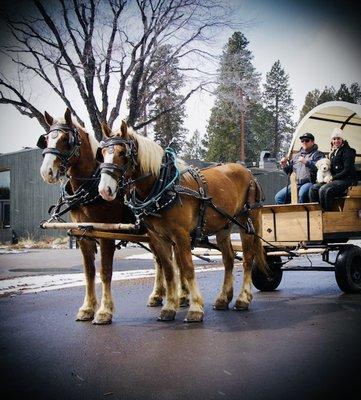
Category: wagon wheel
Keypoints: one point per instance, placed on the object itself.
(348, 269)
(268, 282)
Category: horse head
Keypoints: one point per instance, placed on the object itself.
(60, 147)
(117, 151)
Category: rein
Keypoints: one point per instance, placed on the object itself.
(86, 194)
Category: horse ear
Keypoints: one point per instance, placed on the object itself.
(48, 118)
(124, 129)
(105, 129)
(67, 117)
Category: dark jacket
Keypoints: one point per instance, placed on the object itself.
(343, 163)
(305, 172)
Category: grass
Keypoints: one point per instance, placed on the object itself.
(46, 243)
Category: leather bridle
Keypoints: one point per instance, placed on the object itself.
(63, 156)
(113, 170)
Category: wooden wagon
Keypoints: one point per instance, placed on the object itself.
(294, 230)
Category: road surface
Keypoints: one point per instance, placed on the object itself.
(299, 342)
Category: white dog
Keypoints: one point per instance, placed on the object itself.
(323, 170)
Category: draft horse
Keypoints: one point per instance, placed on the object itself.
(68, 149)
(182, 210)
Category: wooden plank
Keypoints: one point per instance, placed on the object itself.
(268, 229)
(318, 250)
(88, 225)
(292, 226)
(286, 208)
(345, 221)
(352, 203)
(293, 183)
(109, 235)
(354, 191)
(315, 222)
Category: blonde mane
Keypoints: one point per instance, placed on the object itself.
(150, 154)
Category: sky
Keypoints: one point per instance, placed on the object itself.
(317, 43)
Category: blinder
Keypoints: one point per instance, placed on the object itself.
(42, 142)
(99, 155)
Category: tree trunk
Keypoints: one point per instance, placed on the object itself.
(241, 139)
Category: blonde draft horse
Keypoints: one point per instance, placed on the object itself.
(228, 186)
(60, 141)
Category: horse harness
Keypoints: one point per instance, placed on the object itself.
(63, 156)
(166, 190)
(87, 193)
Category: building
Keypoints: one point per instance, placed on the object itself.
(24, 197)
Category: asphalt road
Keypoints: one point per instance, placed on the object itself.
(299, 342)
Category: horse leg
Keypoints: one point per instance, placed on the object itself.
(184, 256)
(183, 284)
(105, 312)
(156, 297)
(163, 249)
(226, 294)
(87, 310)
(245, 297)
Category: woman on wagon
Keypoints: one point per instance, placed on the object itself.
(343, 172)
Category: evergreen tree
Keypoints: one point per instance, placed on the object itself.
(311, 101)
(315, 97)
(328, 94)
(237, 90)
(194, 147)
(278, 100)
(166, 84)
(355, 92)
(343, 94)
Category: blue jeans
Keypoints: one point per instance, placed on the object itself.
(282, 198)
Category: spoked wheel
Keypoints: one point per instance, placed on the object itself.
(348, 269)
(268, 282)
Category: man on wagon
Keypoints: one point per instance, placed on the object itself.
(304, 165)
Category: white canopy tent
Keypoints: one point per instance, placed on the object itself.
(322, 120)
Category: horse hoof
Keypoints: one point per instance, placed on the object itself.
(194, 316)
(102, 319)
(184, 303)
(155, 302)
(220, 305)
(241, 306)
(166, 315)
(85, 315)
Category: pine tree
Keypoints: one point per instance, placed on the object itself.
(355, 92)
(238, 89)
(311, 101)
(328, 94)
(278, 101)
(343, 94)
(168, 130)
(194, 147)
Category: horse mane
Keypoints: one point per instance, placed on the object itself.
(150, 154)
(94, 144)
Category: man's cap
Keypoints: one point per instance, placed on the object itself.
(307, 135)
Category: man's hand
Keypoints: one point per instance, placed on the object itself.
(283, 161)
(302, 160)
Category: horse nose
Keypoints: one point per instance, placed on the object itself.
(50, 173)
